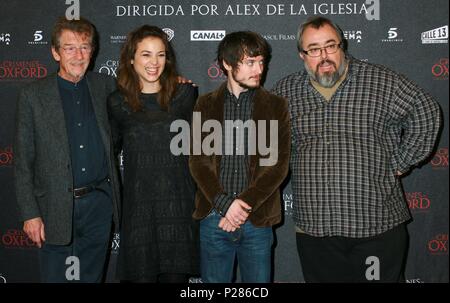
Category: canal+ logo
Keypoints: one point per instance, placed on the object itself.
(207, 35)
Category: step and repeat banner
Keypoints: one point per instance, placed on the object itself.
(409, 36)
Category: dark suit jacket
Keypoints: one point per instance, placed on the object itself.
(263, 193)
(43, 173)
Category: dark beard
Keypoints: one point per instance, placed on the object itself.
(241, 84)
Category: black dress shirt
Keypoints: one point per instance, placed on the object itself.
(87, 152)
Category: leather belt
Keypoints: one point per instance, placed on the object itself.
(83, 191)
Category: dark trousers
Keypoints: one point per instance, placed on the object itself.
(92, 219)
(341, 259)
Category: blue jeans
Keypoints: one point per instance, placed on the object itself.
(252, 246)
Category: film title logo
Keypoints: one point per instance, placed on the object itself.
(14, 238)
(216, 73)
(440, 69)
(438, 245)
(22, 70)
(109, 68)
(287, 198)
(440, 159)
(6, 156)
(418, 201)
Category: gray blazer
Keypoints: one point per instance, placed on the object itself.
(42, 165)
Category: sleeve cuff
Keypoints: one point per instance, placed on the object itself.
(222, 202)
(399, 166)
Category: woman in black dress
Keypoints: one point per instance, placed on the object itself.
(159, 238)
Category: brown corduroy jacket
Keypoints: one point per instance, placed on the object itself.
(263, 193)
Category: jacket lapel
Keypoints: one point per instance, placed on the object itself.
(50, 99)
(217, 103)
(260, 105)
(216, 113)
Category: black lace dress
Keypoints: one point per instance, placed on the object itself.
(158, 234)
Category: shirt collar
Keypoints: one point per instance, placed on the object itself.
(66, 84)
(245, 95)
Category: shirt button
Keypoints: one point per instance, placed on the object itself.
(78, 102)
(81, 146)
(83, 169)
(238, 104)
(79, 124)
(328, 142)
(235, 170)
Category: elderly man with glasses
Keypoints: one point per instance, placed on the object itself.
(65, 176)
(356, 129)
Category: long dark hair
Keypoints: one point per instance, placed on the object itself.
(128, 79)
